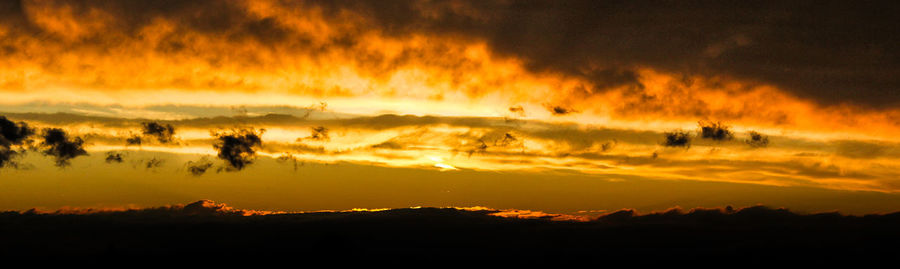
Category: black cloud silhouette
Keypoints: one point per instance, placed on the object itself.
(715, 130)
(12, 135)
(677, 139)
(238, 147)
(134, 140)
(831, 52)
(58, 144)
(164, 133)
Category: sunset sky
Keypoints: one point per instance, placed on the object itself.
(570, 107)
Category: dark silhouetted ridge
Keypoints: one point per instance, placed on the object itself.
(209, 227)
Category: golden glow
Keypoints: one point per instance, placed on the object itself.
(788, 161)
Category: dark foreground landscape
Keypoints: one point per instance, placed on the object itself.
(208, 228)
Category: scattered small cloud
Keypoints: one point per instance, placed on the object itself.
(6, 157)
(154, 163)
(319, 133)
(559, 110)
(390, 144)
(480, 147)
(12, 135)
(199, 167)
(239, 110)
(58, 144)
(321, 107)
(114, 157)
(507, 140)
(677, 139)
(287, 157)
(238, 147)
(134, 140)
(715, 130)
(517, 110)
(609, 145)
(164, 133)
(757, 140)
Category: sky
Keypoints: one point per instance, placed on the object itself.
(575, 107)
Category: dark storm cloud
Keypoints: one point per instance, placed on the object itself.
(58, 144)
(829, 51)
(238, 148)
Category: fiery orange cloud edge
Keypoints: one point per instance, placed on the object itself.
(87, 59)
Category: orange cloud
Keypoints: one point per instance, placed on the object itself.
(264, 53)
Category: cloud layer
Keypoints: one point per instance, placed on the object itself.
(485, 144)
(764, 64)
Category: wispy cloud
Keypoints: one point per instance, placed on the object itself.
(493, 144)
